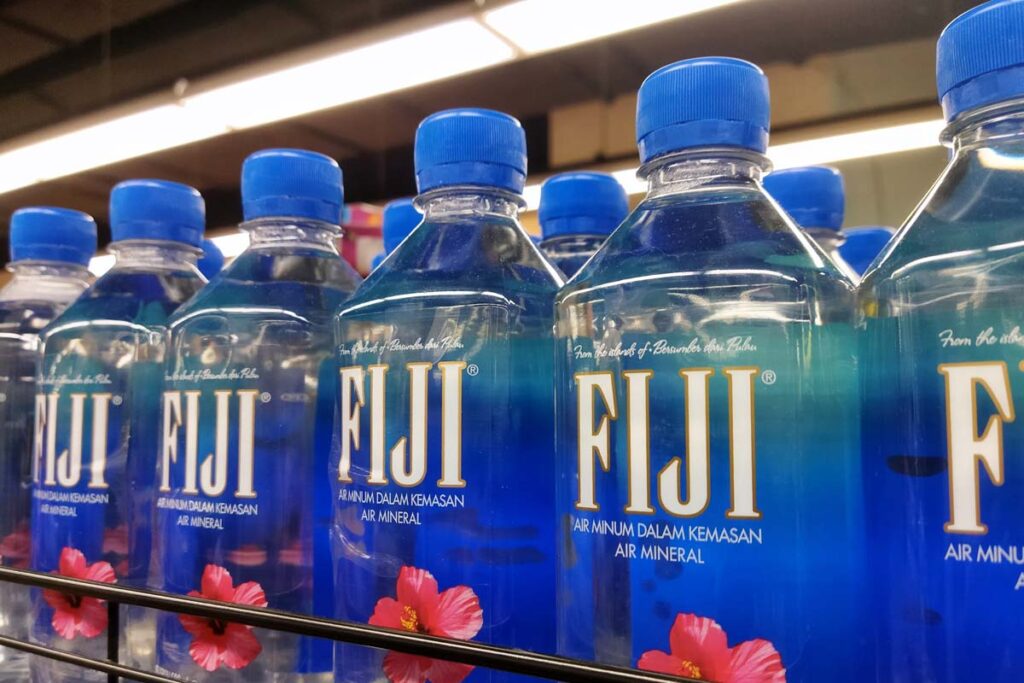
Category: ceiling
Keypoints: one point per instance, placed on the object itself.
(65, 58)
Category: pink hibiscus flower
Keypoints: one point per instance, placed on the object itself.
(455, 613)
(215, 642)
(699, 650)
(16, 548)
(74, 614)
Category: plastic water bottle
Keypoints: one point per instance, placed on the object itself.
(943, 381)
(709, 474)
(862, 245)
(212, 260)
(400, 218)
(815, 198)
(243, 504)
(50, 249)
(444, 514)
(98, 421)
(577, 213)
(377, 260)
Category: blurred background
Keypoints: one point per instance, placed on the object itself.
(97, 91)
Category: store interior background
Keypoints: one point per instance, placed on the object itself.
(67, 66)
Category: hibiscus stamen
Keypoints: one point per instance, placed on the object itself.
(217, 626)
(689, 669)
(410, 620)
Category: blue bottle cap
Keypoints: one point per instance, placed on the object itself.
(470, 147)
(813, 196)
(291, 183)
(980, 57)
(705, 102)
(862, 245)
(581, 203)
(400, 217)
(212, 260)
(157, 210)
(377, 260)
(50, 233)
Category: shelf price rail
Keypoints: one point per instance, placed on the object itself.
(461, 651)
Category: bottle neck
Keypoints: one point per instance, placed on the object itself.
(45, 281)
(154, 254)
(277, 232)
(703, 169)
(455, 203)
(993, 127)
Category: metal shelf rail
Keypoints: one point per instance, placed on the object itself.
(462, 651)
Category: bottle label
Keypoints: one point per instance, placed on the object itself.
(942, 447)
(709, 486)
(443, 504)
(91, 476)
(240, 427)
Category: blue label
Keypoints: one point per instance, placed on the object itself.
(92, 472)
(709, 491)
(444, 501)
(237, 491)
(944, 472)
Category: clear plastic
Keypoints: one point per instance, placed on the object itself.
(250, 387)
(830, 240)
(568, 253)
(708, 470)
(445, 364)
(36, 294)
(941, 352)
(96, 425)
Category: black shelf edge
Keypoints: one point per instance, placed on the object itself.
(461, 651)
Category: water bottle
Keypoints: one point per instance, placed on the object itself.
(50, 249)
(212, 260)
(577, 212)
(814, 197)
(862, 245)
(707, 430)
(243, 505)
(444, 505)
(97, 422)
(942, 379)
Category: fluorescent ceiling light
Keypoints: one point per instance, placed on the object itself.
(815, 151)
(867, 143)
(120, 138)
(541, 25)
(392, 64)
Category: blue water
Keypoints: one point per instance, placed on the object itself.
(107, 346)
(706, 294)
(260, 335)
(466, 297)
(946, 298)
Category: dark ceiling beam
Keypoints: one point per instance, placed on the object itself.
(164, 26)
(35, 31)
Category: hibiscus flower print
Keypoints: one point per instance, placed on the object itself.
(74, 614)
(16, 547)
(216, 642)
(700, 650)
(420, 608)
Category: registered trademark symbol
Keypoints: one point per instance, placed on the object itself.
(117, 400)
(265, 397)
(473, 370)
(768, 377)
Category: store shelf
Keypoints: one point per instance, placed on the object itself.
(462, 651)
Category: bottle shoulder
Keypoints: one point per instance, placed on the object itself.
(308, 285)
(728, 242)
(491, 262)
(963, 243)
